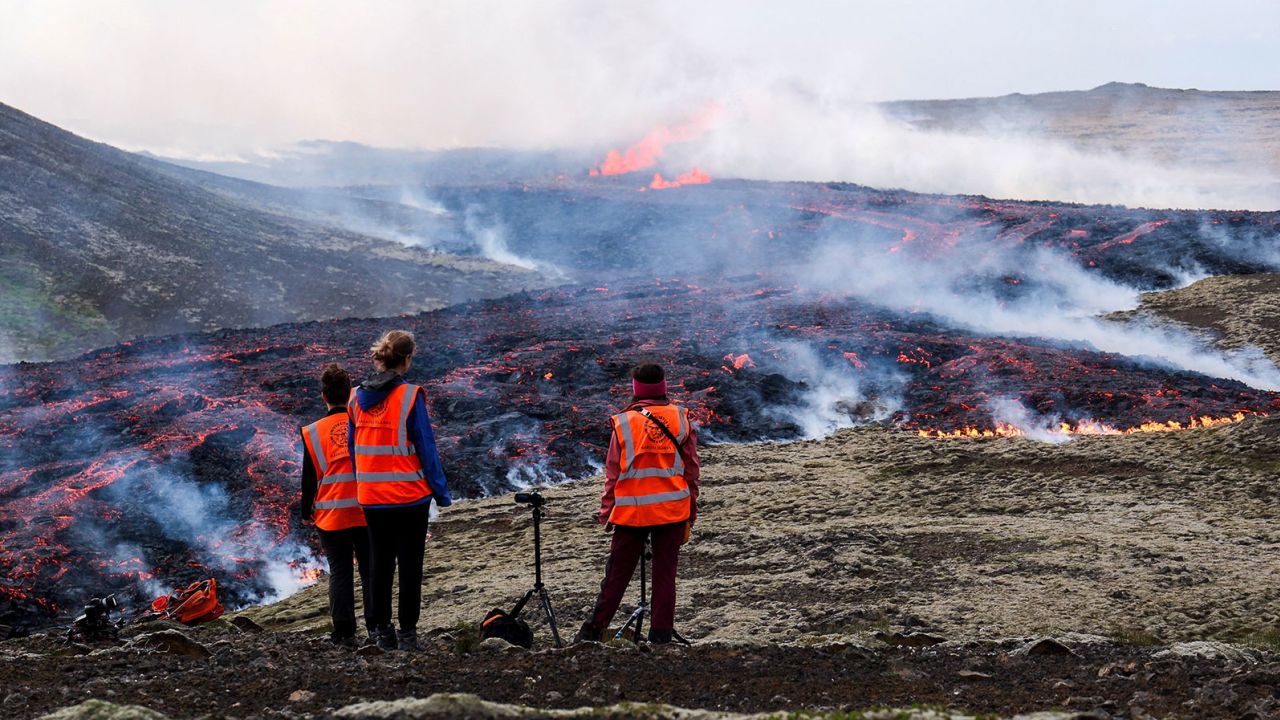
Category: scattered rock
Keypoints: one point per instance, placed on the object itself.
(71, 650)
(441, 705)
(103, 710)
(915, 639)
(246, 624)
(1209, 650)
(1043, 646)
(496, 645)
(301, 696)
(370, 651)
(172, 642)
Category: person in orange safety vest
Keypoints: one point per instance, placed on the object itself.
(651, 492)
(329, 501)
(398, 476)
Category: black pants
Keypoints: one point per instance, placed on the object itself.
(340, 546)
(397, 536)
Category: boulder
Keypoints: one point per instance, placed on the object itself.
(172, 642)
(1043, 646)
(103, 710)
(1209, 650)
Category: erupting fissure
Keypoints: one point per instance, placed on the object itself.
(646, 152)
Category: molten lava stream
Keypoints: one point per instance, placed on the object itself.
(1089, 427)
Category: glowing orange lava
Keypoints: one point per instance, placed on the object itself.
(1088, 427)
(645, 153)
(693, 177)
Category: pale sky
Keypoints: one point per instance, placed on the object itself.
(220, 78)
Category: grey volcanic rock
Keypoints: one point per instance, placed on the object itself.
(103, 710)
(98, 245)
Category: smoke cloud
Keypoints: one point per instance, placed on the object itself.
(245, 78)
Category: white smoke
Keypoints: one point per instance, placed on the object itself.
(490, 237)
(794, 132)
(1063, 305)
(833, 397)
(1008, 411)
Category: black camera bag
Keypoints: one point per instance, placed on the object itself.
(498, 623)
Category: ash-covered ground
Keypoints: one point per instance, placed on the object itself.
(1130, 577)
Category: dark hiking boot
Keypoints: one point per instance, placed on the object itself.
(407, 640)
(385, 638)
(346, 641)
(660, 637)
(588, 633)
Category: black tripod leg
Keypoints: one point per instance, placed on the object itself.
(551, 616)
(515, 611)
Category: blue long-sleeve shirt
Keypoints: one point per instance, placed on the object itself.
(374, 391)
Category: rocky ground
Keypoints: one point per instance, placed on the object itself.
(871, 569)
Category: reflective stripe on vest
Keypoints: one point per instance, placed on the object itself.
(654, 498)
(336, 507)
(651, 489)
(388, 469)
(338, 504)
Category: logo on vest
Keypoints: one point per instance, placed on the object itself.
(378, 410)
(655, 434)
(338, 435)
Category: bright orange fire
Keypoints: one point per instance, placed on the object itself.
(737, 362)
(693, 177)
(645, 153)
(1087, 427)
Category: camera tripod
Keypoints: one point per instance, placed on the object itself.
(637, 615)
(535, 502)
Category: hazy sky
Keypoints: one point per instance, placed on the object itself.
(219, 78)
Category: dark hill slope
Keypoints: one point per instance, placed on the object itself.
(97, 245)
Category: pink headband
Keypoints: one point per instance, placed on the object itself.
(648, 390)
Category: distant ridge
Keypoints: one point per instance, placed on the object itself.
(1232, 131)
(99, 245)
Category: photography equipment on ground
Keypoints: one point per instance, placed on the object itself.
(493, 624)
(97, 623)
(512, 629)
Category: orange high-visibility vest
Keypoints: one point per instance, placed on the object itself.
(336, 505)
(651, 489)
(388, 471)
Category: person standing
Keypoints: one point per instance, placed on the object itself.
(329, 501)
(650, 493)
(398, 474)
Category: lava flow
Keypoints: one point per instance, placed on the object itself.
(150, 464)
(693, 177)
(1086, 427)
(147, 465)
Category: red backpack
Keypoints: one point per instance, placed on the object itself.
(196, 603)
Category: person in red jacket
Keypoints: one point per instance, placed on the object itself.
(650, 493)
(329, 501)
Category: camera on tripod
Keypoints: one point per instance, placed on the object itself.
(95, 623)
(534, 499)
(508, 625)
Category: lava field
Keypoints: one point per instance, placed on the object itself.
(149, 464)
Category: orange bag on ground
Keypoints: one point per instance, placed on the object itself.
(196, 603)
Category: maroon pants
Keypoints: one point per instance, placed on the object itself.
(628, 546)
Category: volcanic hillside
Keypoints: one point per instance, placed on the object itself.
(98, 245)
